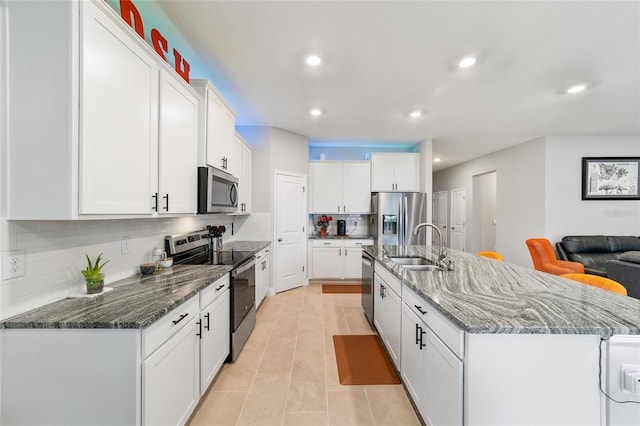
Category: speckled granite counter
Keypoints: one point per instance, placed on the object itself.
(486, 296)
(135, 302)
(340, 237)
(245, 245)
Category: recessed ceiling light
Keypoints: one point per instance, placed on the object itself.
(315, 112)
(576, 89)
(436, 160)
(467, 62)
(415, 114)
(314, 60)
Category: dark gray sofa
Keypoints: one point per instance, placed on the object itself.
(596, 252)
(626, 271)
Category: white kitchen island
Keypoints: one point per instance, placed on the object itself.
(491, 343)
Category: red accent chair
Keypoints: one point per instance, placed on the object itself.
(545, 260)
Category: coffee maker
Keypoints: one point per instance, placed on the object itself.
(342, 227)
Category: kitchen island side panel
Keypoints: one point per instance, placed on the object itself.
(532, 379)
(71, 377)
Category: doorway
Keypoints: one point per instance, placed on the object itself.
(290, 220)
(458, 219)
(441, 213)
(484, 211)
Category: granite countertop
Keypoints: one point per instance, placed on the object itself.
(340, 237)
(483, 295)
(255, 246)
(135, 302)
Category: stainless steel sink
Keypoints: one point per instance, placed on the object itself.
(416, 263)
(410, 260)
(425, 267)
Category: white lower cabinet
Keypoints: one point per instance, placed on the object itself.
(262, 275)
(214, 331)
(170, 385)
(387, 312)
(430, 370)
(337, 259)
(153, 376)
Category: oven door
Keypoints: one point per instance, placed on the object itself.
(243, 291)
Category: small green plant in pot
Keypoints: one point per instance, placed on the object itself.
(93, 275)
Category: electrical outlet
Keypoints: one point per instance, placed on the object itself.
(12, 264)
(125, 247)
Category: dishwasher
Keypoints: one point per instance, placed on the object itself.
(367, 286)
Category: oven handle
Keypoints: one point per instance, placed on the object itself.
(244, 266)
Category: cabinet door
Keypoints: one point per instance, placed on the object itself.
(244, 179)
(407, 172)
(379, 311)
(118, 120)
(353, 262)
(413, 355)
(382, 173)
(178, 147)
(325, 184)
(392, 325)
(443, 385)
(215, 150)
(170, 378)
(262, 279)
(327, 262)
(228, 135)
(215, 336)
(356, 188)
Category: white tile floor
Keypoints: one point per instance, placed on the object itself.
(287, 373)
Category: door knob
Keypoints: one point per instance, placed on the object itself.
(279, 240)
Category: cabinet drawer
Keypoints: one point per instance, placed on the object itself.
(451, 335)
(327, 243)
(212, 292)
(391, 280)
(357, 243)
(262, 254)
(167, 326)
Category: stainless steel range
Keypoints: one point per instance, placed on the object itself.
(195, 248)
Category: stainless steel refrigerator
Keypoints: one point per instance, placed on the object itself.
(394, 215)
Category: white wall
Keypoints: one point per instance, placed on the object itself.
(520, 198)
(539, 192)
(484, 211)
(566, 212)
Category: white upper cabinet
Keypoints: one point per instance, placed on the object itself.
(340, 187)
(216, 133)
(178, 149)
(243, 151)
(85, 136)
(395, 172)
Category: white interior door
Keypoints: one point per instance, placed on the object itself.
(441, 212)
(458, 218)
(290, 247)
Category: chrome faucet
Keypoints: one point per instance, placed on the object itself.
(442, 255)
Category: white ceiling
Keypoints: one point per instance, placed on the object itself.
(382, 59)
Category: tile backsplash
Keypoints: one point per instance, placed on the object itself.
(357, 224)
(54, 251)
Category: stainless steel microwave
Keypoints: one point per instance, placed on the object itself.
(217, 191)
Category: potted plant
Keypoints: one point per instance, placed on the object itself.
(93, 275)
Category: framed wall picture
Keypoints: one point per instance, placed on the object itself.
(610, 178)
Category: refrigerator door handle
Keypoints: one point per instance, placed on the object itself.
(400, 223)
(405, 221)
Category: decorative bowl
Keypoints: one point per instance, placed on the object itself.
(166, 263)
(147, 268)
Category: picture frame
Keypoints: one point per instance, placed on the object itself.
(610, 178)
